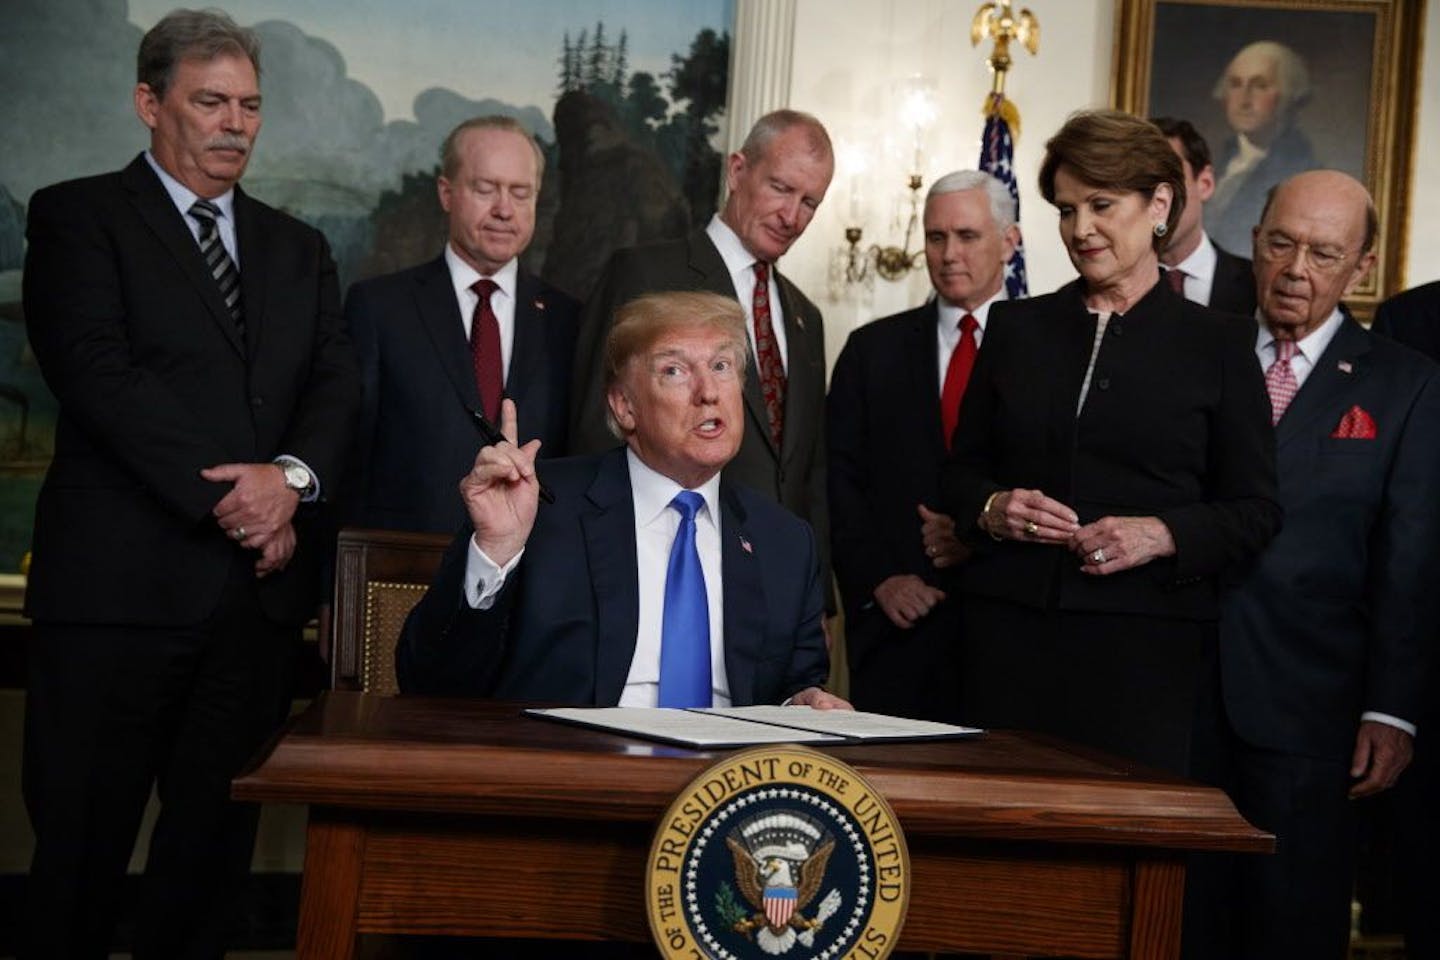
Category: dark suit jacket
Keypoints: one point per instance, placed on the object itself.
(1340, 610)
(793, 476)
(1233, 288)
(886, 449)
(154, 384)
(1176, 425)
(563, 628)
(417, 437)
(1412, 317)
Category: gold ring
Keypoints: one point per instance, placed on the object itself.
(238, 533)
(1031, 528)
(1098, 556)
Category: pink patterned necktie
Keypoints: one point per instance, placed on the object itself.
(1280, 380)
(485, 350)
(767, 355)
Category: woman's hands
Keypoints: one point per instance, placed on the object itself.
(1109, 545)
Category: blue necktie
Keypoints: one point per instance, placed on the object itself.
(685, 625)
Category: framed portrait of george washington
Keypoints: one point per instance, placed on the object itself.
(1277, 87)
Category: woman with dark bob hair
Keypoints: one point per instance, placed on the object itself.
(1113, 461)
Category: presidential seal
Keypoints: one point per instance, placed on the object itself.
(778, 852)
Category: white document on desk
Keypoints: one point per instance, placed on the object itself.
(688, 728)
(719, 727)
(850, 724)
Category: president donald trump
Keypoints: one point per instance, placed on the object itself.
(648, 581)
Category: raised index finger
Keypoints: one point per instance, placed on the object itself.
(508, 420)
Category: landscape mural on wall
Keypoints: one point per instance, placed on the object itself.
(625, 97)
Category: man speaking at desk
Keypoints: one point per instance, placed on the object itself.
(648, 581)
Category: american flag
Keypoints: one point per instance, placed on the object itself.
(997, 157)
(779, 905)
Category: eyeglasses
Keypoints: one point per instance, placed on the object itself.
(1278, 248)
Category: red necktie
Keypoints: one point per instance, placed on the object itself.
(485, 350)
(1176, 278)
(957, 375)
(767, 354)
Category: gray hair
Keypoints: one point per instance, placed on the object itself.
(191, 34)
(776, 122)
(1290, 70)
(450, 149)
(1002, 204)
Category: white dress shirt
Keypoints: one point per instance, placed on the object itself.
(947, 328)
(741, 265)
(655, 527)
(1307, 356)
(502, 301)
(1199, 270)
(184, 198)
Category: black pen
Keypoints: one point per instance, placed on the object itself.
(491, 435)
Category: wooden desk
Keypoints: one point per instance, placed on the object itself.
(463, 817)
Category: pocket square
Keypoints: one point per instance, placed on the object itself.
(1355, 425)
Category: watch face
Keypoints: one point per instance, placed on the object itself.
(297, 477)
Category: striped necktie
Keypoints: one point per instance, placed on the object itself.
(222, 268)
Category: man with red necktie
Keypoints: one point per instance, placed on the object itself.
(895, 396)
(455, 334)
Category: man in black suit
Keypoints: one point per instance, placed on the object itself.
(776, 181)
(895, 396)
(1324, 644)
(424, 335)
(1194, 266)
(1413, 318)
(648, 580)
(207, 396)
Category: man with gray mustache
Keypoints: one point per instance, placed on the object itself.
(207, 393)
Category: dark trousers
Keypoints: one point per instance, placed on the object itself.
(1120, 683)
(906, 673)
(113, 710)
(1296, 902)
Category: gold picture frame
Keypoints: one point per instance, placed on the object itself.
(1363, 63)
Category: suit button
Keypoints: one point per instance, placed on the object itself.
(1116, 328)
(1103, 383)
(257, 401)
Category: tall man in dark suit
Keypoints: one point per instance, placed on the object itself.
(1325, 643)
(433, 348)
(649, 580)
(1413, 318)
(207, 396)
(776, 181)
(1194, 266)
(895, 397)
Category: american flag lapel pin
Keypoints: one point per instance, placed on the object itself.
(1345, 366)
(745, 545)
(538, 304)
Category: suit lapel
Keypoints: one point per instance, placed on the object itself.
(440, 317)
(158, 211)
(744, 601)
(922, 359)
(708, 267)
(1325, 388)
(253, 253)
(609, 533)
(527, 354)
(799, 375)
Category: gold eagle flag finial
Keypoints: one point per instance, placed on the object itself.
(997, 22)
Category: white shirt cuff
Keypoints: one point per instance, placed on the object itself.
(484, 578)
(1388, 720)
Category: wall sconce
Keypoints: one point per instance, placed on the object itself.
(916, 111)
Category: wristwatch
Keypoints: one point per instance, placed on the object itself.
(297, 478)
